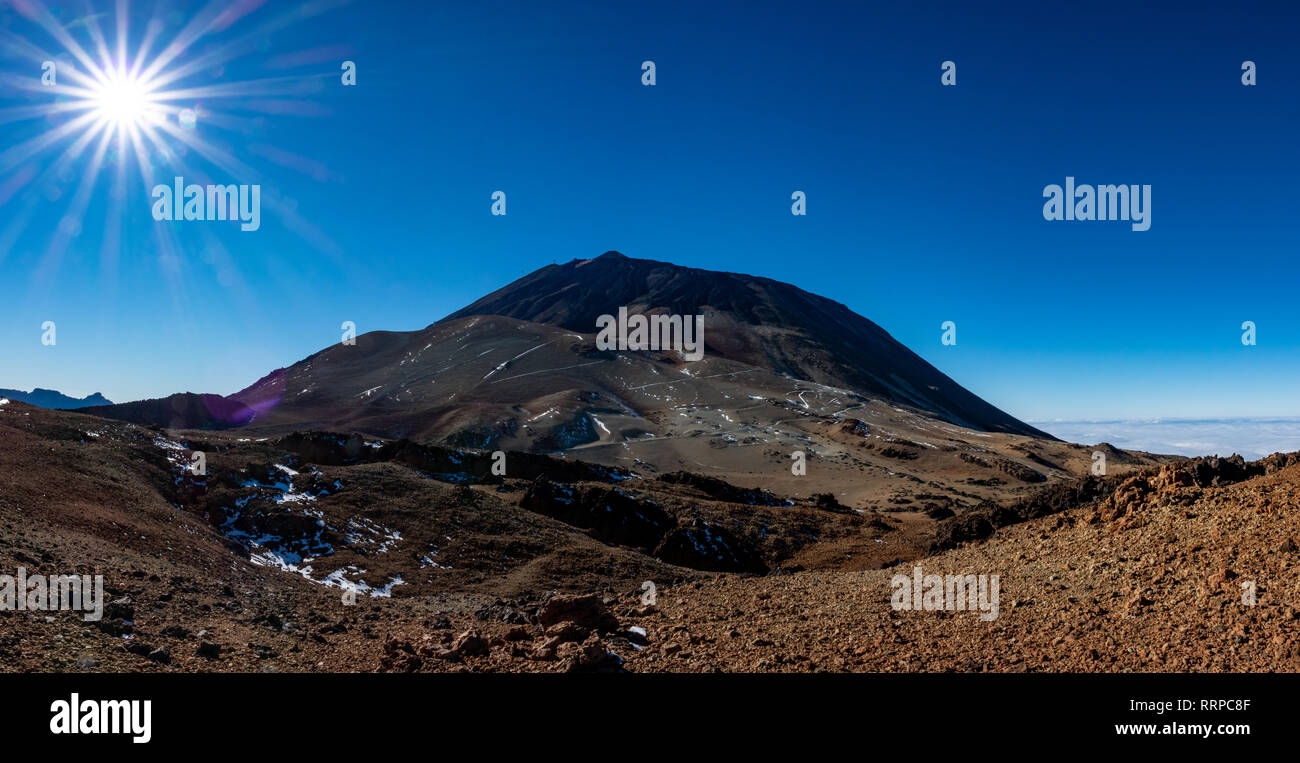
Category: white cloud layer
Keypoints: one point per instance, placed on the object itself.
(1252, 438)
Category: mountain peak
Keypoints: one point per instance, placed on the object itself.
(753, 320)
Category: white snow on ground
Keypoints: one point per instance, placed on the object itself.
(367, 532)
(300, 561)
(371, 391)
(4, 401)
(525, 352)
(294, 497)
(269, 550)
(710, 376)
(427, 561)
(338, 579)
(547, 370)
(385, 591)
(284, 486)
(599, 423)
(175, 453)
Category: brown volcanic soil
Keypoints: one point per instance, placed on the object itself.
(1154, 588)
(1139, 571)
(80, 495)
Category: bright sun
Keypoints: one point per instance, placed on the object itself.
(123, 100)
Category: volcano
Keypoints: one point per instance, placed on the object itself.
(756, 321)
(520, 369)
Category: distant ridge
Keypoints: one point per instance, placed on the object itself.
(48, 398)
(184, 410)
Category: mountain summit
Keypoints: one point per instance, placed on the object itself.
(751, 320)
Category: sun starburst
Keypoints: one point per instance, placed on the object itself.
(160, 105)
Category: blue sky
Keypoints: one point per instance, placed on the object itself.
(924, 202)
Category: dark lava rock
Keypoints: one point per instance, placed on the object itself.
(586, 611)
(114, 626)
(500, 612)
(702, 546)
(610, 514)
(724, 491)
(120, 609)
(137, 648)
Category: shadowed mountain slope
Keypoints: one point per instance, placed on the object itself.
(751, 320)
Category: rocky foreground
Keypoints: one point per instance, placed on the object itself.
(1189, 566)
(1153, 577)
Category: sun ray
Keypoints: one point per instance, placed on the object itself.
(260, 87)
(54, 172)
(24, 113)
(151, 33)
(41, 15)
(111, 243)
(97, 37)
(245, 44)
(15, 154)
(222, 158)
(122, 32)
(70, 224)
(187, 36)
(24, 48)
